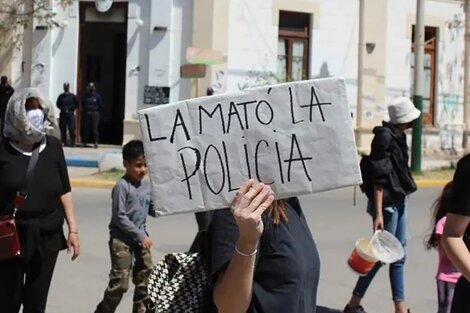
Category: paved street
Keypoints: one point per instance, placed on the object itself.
(335, 223)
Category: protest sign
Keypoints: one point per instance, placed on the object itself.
(297, 137)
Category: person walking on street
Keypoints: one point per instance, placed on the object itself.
(6, 91)
(447, 275)
(91, 107)
(130, 243)
(48, 203)
(67, 103)
(391, 182)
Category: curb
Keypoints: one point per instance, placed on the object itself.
(107, 184)
(92, 183)
(78, 162)
(432, 182)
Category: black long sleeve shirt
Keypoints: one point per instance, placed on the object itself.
(41, 219)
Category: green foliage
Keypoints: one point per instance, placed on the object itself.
(113, 174)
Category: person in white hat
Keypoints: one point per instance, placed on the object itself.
(390, 184)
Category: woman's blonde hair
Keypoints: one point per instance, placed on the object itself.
(277, 212)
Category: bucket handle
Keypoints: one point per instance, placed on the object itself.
(376, 233)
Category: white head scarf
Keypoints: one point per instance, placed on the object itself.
(17, 127)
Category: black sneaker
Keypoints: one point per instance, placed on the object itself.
(357, 309)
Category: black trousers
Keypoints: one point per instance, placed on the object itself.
(91, 121)
(67, 121)
(26, 284)
(461, 300)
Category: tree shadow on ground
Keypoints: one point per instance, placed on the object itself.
(322, 309)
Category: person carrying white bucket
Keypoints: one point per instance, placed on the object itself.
(387, 183)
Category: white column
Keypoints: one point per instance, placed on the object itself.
(41, 59)
(160, 43)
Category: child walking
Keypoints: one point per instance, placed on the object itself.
(129, 240)
(447, 276)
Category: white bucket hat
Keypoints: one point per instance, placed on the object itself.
(402, 111)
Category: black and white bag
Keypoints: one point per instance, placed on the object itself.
(180, 284)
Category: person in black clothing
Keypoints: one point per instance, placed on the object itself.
(455, 238)
(26, 280)
(392, 183)
(91, 107)
(67, 103)
(6, 91)
(263, 258)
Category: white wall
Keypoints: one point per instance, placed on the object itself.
(397, 80)
(137, 56)
(181, 38)
(64, 51)
(252, 41)
(253, 37)
(449, 79)
(335, 42)
(158, 52)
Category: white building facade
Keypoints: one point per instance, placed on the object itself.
(134, 51)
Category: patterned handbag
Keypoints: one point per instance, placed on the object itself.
(180, 284)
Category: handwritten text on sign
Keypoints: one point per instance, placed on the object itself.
(297, 137)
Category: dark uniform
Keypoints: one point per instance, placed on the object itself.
(91, 107)
(6, 91)
(67, 104)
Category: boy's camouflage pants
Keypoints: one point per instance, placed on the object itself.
(122, 256)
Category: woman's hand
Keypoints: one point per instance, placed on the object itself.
(73, 243)
(378, 222)
(247, 207)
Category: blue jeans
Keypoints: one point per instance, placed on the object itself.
(395, 220)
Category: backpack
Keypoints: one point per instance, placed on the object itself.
(367, 186)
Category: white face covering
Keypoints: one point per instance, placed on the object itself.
(36, 118)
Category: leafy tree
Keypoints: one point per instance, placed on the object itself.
(15, 15)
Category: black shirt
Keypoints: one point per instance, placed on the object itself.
(41, 219)
(288, 266)
(67, 102)
(460, 200)
(6, 91)
(92, 102)
(389, 163)
(461, 188)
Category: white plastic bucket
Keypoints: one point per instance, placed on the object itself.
(362, 259)
(386, 247)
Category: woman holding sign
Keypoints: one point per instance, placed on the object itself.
(263, 257)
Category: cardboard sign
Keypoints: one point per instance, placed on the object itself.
(297, 137)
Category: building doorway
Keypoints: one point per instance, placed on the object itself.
(102, 60)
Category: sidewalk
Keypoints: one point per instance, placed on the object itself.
(83, 165)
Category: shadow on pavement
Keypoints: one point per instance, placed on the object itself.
(322, 309)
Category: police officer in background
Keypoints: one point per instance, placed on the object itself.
(91, 107)
(6, 91)
(67, 103)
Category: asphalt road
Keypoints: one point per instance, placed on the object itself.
(335, 223)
